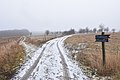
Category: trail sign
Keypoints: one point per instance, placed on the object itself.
(102, 38)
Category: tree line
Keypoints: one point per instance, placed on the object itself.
(101, 28)
(11, 33)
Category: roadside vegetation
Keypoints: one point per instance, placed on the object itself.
(85, 50)
(11, 56)
(39, 40)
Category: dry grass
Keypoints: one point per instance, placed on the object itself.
(92, 54)
(39, 40)
(11, 55)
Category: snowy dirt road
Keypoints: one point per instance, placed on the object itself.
(54, 63)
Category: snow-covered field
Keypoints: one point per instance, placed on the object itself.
(53, 63)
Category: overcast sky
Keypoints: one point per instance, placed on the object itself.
(55, 15)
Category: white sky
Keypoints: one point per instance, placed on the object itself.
(55, 15)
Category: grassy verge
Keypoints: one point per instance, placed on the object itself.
(11, 55)
(91, 55)
(39, 40)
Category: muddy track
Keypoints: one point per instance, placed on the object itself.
(65, 66)
(30, 70)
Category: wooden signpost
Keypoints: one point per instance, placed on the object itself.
(102, 38)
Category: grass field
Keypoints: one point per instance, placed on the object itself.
(91, 55)
(39, 40)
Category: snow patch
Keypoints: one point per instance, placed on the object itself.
(75, 71)
(28, 61)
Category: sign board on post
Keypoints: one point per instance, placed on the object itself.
(102, 38)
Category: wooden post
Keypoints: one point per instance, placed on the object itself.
(103, 38)
(103, 51)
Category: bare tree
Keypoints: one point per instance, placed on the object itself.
(113, 30)
(106, 29)
(47, 32)
(101, 28)
(71, 31)
(87, 30)
(81, 30)
(94, 30)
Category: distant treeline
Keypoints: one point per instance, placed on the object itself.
(101, 28)
(10, 33)
(71, 31)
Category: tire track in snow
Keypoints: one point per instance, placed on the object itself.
(54, 60)
(66, 73)
(30, 70)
